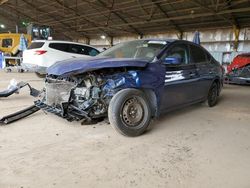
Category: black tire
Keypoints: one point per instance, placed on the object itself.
(129, 112)
(40, 75)
(212, 97)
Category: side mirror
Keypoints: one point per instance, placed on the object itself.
(172, 60)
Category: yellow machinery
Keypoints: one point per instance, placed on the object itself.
(9, 43)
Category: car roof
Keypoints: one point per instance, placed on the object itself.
(244, 55)
(63, 41)
(159, 39)
(167, 40)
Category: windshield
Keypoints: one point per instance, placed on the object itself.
(139, 49)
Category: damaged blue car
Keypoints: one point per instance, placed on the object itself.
(132, 83)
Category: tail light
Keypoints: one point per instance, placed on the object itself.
(40, 52)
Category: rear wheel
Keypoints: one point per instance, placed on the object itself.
(129, 112)
(212, 97)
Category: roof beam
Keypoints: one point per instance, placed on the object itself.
(67, 26)
(235, 21)
(108, 19)
(120, 17)
(120, 7)
(166, 14)
(205, 14)
(84, 17)
(3, 1)
(211, 10)
(34, 20)
(77, 14)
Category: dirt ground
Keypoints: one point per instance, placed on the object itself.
(194, 147)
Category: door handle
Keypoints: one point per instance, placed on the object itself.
(192, 74)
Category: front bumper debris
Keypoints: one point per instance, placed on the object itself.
(19, 115)
(68, 112)
(15, 89)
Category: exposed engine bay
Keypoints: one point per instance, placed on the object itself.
(84, 97)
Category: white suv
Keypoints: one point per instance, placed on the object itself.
(43, 53)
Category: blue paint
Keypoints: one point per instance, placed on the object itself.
(81, 65)
(174, 84)
(1, 60)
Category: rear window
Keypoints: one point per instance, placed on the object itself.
(59, 46)
(92, 51)
(35, 45)
(84, 50)
(6, 43)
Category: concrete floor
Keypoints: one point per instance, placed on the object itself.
(194, 147)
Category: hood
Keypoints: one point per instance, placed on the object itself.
(81, 65)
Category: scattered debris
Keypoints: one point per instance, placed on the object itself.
(14, 87)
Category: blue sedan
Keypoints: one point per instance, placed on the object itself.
(132, 83)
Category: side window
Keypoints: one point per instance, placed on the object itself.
(179, 51)
(59, 46)
(7, 43)
(92, 51)
(78, 49)
(198, 55)
(209, 56)
(84, 50)
(35, 45)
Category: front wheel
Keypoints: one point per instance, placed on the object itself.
(212, 97)
(129, 112)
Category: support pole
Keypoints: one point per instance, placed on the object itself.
(16, 28)
(111, 41)
(87, 40)
(236, 31)
(180, 35)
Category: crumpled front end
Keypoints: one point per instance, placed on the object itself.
(84, 97)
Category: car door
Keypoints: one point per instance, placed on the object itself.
(205, 69)
(57, 52)
(180, 79)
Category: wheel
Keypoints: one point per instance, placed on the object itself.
(20, 70)
(129, 112)
(40, 75)
(8, 70)
(212, 97)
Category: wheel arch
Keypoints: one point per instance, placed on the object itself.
(151, 96)
(217, 80)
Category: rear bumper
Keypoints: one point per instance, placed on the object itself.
(35, 68)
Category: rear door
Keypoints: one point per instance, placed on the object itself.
(58, 51)
(180, 80)
(205, 68)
